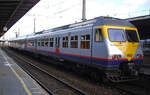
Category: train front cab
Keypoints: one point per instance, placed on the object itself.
(122, 52)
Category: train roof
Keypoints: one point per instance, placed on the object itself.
(114, 22)
(98, 21)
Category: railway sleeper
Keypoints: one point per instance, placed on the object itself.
(120, 78)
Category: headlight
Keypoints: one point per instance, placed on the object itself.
(116, 57)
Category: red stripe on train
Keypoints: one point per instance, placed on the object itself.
(56, 52)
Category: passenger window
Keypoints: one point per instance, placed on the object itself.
(65, 42)
(85, 42)
(98, 35)
(42, 42)
(39, 44)
(46, 42)
(74, 41)
(32, 43)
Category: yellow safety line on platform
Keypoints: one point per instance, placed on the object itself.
(21, 80)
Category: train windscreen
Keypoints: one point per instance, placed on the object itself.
(132, 36)
(116, 35)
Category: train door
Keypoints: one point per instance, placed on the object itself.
(98, 49)
(57, 44)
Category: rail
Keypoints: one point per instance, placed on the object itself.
(27, 61)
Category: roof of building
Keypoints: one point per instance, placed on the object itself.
(143, 25)
(11, 11)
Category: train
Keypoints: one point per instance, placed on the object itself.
(109, 45)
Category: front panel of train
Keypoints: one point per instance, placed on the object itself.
(124, 52)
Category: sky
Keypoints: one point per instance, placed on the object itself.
(53, 13)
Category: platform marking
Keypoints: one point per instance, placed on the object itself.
(20, 79)
(36, 90)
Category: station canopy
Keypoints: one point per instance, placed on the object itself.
(143, 25)
(11, 11)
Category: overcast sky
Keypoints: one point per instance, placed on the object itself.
(53, 13)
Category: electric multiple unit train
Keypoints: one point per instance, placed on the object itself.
(108, 44)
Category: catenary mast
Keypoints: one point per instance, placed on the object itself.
(84, 10)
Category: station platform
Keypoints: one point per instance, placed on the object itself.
(14, 81)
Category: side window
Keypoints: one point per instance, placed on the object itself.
(65, 42)
(51, 42)
(32, 43)
(42, 42)
(46, 42)
(74, 41)
(85, 42)
(39, 43)
(98, 35)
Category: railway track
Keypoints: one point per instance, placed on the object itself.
(53, 85)
(131, 89)
(137, 87)
(127, 88)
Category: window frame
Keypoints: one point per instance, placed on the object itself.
(74, 40)
(46, 41)
(116, 29)
(137, 38)
(65, 42)
(85, 41)
(42, 42)
(39, 43)
(101, 35)
(51, 40)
